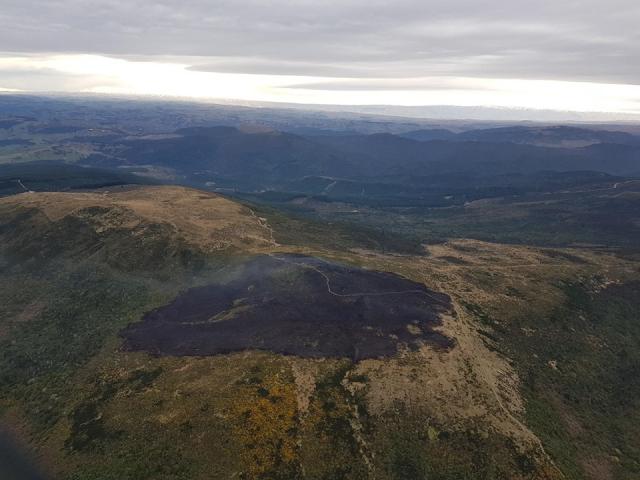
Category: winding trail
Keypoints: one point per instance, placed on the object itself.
(358, 294)
(264, 224)
(329, 187)
(22, 185)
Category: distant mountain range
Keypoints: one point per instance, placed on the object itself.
(271, 157)
(250, 149)
(548, 136)
(161, 113)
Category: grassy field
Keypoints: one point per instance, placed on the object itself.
(601, 214)
(539, 383)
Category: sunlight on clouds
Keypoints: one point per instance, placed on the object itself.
(101, 74)
(113, 75)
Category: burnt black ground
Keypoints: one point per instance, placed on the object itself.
(296, 305)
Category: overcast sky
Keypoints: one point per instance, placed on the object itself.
(561, 54)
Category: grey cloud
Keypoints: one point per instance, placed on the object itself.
(283, 67)
(48, 80)
(588, 40)
(409, 84)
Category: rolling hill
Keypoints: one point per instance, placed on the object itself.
(103, 290)
(196, 292)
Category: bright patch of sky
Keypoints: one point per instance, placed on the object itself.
(544, 54)
(101, 74)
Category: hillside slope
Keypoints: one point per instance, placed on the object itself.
(440, 399)
(131, 228)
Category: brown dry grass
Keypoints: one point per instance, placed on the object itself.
(203, 219)
(469, 385)
(472, 384)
